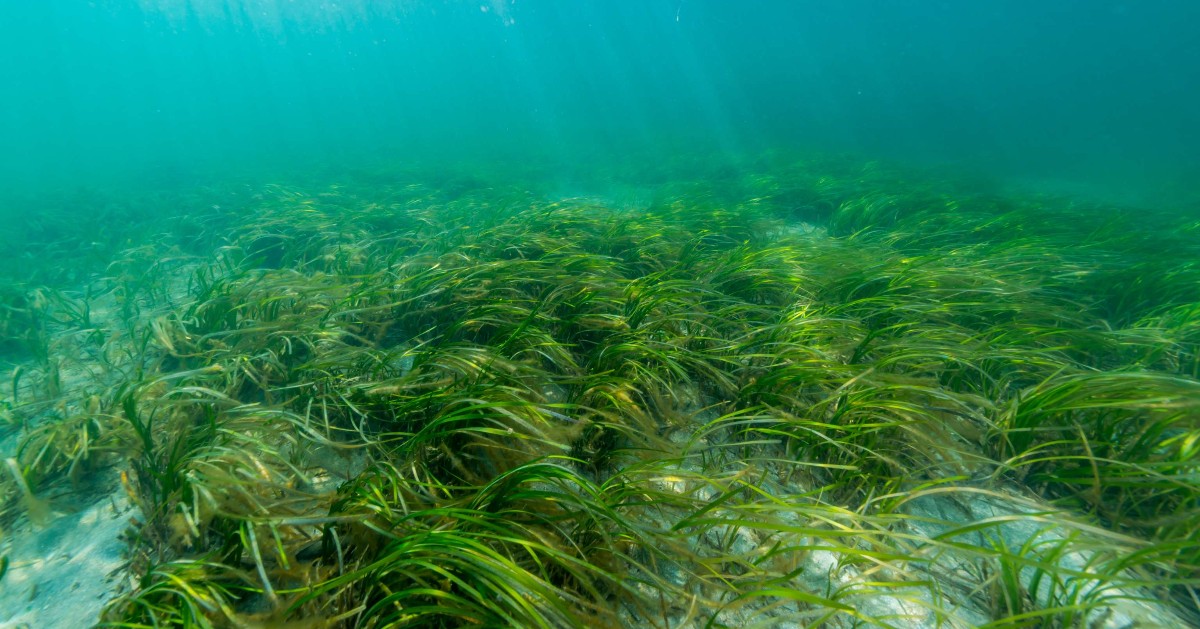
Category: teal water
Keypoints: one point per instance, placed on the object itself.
(557, 279)
(1096, 94)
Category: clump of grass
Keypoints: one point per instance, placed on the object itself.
(17, 321)
(443, 405)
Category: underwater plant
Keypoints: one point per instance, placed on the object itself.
(809, 391)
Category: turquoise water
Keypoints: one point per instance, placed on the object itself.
(1089, 94)
(583, 313)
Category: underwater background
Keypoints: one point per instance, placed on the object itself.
(693, 314)
(1101, 94)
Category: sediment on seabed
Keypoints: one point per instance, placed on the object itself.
(813, 393)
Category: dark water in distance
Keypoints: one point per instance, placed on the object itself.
(1098, 92)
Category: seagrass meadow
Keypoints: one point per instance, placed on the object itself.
(805, 392)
